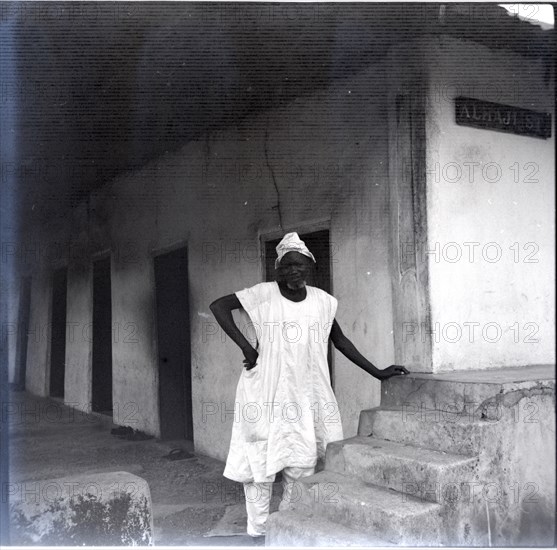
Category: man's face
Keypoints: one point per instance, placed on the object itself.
(294, 270)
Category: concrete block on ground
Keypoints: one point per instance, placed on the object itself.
(418, 471)
(102, 509)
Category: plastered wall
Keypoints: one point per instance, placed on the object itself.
(490, 213)
(320, 161)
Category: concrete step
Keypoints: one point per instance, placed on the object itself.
(425, 473)
(474, 392)
(396, 517)
(291, 528)
(436, 393)
(462, 435)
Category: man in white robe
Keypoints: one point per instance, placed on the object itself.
(288, 411)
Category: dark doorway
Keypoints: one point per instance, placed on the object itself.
(22, 333)
(319, 244)
(173, 328)
(102, 338)
(58, 333)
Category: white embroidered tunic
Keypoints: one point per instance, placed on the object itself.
(286, 412)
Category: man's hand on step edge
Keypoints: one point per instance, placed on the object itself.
(393, 370)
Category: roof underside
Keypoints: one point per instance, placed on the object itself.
(104, 87)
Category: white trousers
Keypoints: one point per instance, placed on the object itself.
(258, 498)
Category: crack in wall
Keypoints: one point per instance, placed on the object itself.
(511, 398)
(266, 149)
(207, 143)
(407, 397)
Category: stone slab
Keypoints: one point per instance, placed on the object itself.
(463, 390)
(102, 509)
(400, 466)
(47, 473)
(289, 528)
(432, 429)
(505, 375)
(398, 518)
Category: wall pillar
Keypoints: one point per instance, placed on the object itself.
(407, 198)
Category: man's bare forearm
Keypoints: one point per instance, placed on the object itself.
(348, 349)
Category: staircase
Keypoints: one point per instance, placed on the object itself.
(416, 475)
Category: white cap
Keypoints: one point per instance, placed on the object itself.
(291, 242)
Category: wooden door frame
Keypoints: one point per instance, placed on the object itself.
(98, 256)
(153, 254)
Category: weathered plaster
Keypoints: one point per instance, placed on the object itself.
(325, 159)
(505, 195)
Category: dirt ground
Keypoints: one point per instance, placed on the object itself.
(190, 497)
